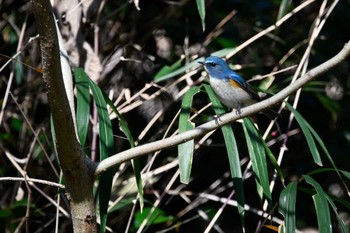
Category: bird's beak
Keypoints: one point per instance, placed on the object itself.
(201, 62)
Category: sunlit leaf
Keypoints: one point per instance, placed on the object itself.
(287, 203)
(167, 70)
(83, 104)
(321, 206)
(201, 11)
(186, 149)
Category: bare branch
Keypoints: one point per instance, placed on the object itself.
(46, 182)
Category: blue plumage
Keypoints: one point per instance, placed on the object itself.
(231, 89)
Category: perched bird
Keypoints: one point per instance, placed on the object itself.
(231, 89)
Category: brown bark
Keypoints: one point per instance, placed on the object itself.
(76, 167)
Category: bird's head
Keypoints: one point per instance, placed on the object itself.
(216, 67)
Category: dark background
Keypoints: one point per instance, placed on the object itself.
(324, 103)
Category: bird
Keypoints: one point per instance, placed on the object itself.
(230, 88)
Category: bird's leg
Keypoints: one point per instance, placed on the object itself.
(238, 111)
(217, 119)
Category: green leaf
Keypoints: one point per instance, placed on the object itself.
(53, 136)
(121, 204)
(284, 8)
(179, 71)
(314, 135)
(306, 130)
(18, 67)
(106, 142)
(273, 161)
(105, 125)
(232, 151)
(186, 149)
(201, 11)
(257, 156)
(287, 204)
(332, 106)
(323, 216)
(167, 69)
(345, 173)
(135, 162)
(343, 227)
(321, 206)
(156, 216)
(16, 124)
(83, 104)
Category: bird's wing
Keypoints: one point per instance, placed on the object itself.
(238, 81)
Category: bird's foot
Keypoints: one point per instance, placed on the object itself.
(217, 119)
(238, 112)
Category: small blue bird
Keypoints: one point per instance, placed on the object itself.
(231, 89)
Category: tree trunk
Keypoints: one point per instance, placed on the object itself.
(78, 170)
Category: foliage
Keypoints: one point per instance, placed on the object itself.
(143, 68)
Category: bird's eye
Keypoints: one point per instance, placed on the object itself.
(213, 64)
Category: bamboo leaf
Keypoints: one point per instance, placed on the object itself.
(136, 164)
(306, 131)
(232, 151)
(201, 11)
(83, 104)
(106, 142)
(312, 134)
(167, 70)
(287, 203)
(258, 157)
(321, 206)
(186, 149)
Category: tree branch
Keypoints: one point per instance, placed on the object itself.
(77, 169)
(225, 119)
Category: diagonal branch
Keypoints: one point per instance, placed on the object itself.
(225, 119)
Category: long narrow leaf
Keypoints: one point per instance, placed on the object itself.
(325, 151)
(342, 225)
(232, 151)
(167, 70)
(106, 149)
(257, 156)
(201, 11)
(287, 204)
(306, 130)
(323, 215)
(273, 161)
(136, 164)
(321, 206)
(284, 8)
(83, 104)
(186, 149)
(313, 134)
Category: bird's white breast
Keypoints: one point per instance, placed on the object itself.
(229, 95)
